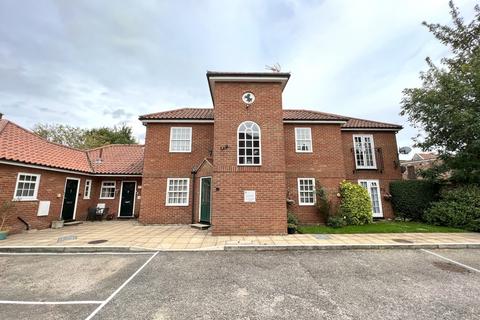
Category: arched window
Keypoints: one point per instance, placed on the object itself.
(249, 144)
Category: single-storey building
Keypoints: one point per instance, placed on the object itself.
(237, 166)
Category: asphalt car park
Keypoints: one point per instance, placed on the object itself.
(336, 284)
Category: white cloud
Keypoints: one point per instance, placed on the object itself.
(80, 62)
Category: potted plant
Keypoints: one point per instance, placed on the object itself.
(292, 222)
(5, 210)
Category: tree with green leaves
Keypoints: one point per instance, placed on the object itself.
(446, 108)
(85, 139)
(103, 136)
(62, 134)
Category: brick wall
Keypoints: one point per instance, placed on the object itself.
(231, 215)
(325, 164)
(391, 170)
(160, 164)
(51, 188)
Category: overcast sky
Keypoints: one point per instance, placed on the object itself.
(103, 62)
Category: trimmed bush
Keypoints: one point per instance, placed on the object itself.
(336, 221)
(410, 198)
(355, 205)
(292, 220)
(459, 208)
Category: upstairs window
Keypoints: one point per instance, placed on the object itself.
(108, 190)
(27, 186)
(364, 152)
(303, 139)
(306, 191)
(180, 139)
(249, 144)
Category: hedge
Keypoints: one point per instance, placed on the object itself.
(458, 207)
(410, 198)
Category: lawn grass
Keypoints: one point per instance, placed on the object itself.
(381, 227)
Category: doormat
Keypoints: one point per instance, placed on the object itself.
(97, 241)
(66, 238)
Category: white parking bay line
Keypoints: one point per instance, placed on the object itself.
(120, 288)
(49, 302)
(450, 260)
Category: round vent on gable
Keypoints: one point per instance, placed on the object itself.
(248, 98)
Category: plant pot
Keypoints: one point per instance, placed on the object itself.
(291, 230)
(57, 224)
(3, 235)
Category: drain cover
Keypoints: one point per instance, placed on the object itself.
(97, 241)
(402, 241)
(65, 238)
(321, 236)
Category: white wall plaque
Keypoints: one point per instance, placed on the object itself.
(249, 196)
(43, 208)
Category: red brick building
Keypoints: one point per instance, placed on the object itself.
(48, 181)
(233, 166)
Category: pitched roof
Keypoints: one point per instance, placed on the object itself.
(21, 145)
(117, 158)
(181, 114)
(288, 115)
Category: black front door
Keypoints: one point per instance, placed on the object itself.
(69, 199)
(128, 199)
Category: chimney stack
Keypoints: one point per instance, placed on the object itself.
(1, 116)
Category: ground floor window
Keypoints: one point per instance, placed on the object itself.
(373, 188)
(306, 191)
(177, 191)
(108, 190)
(88, 189)
(27, 186)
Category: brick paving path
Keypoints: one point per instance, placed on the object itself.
(180, 237)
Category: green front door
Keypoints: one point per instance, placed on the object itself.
(205, 197)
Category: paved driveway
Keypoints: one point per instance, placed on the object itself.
(376, 284)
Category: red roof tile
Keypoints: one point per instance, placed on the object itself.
(181, 114)
(117, 158)
(21, 145)
(288, 115)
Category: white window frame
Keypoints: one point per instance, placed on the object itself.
(296, 140)
(259, 147)
(167, 198)
(35, 190)
(88, 182)
(369, 185)
(362, 138)
(300, 202)
(103, 186)
(172, 140)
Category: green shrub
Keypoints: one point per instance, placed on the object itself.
(336, 221)
(292, 220)
(410, 198)
(458, 207)
(322, 203)
(355, 204)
